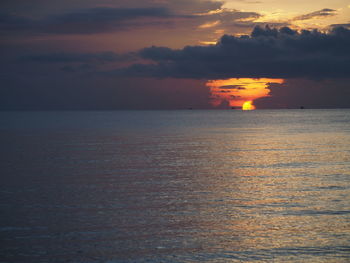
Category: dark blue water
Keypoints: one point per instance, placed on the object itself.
(175, 186)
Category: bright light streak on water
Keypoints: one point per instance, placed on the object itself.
(175, 186)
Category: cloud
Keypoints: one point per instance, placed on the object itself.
(267, 52)
(238, 87)
(294, 93)
(107, 19)
(196, 20)
(87, 21)
(47, 8)
(326, 12)
(121, 16)
(340, 25)
(81, 62)
(227, 18)
(101, 57)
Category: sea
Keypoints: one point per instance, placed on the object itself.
(175, 186)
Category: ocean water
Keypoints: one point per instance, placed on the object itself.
(175, 186)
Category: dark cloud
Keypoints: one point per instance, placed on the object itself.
(295, 93)
(99, 20)
(107, 19)
(91, 16)
(79, 62)
(267, 52)
(101, 57)
(45, 7)
(249, 25)
(340, 25)
(326, 12)
(86, 21)
(196, 20)
(10, 22)
(238, 87)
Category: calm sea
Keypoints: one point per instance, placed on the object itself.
(175, 186)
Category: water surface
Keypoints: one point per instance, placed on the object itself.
(175, 186)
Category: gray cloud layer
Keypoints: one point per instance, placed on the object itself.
(267, 52)
(45, 7)
(85, 21)
(109, 19)
(100, 57)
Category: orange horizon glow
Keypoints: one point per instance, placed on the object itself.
(237, 92)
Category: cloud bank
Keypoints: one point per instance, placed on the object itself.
(86, 21)
(110, 19)
(267, 52)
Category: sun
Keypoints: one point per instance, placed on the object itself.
(248, 105)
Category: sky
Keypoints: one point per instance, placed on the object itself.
(174, 54)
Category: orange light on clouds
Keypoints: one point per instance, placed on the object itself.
(237, 92)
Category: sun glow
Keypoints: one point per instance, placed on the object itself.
(239, 93)
(248, 105)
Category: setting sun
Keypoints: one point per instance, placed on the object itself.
(240, 92)
(248, 105)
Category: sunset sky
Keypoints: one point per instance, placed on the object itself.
(174, 54)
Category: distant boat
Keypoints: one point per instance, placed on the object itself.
(302, 107)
